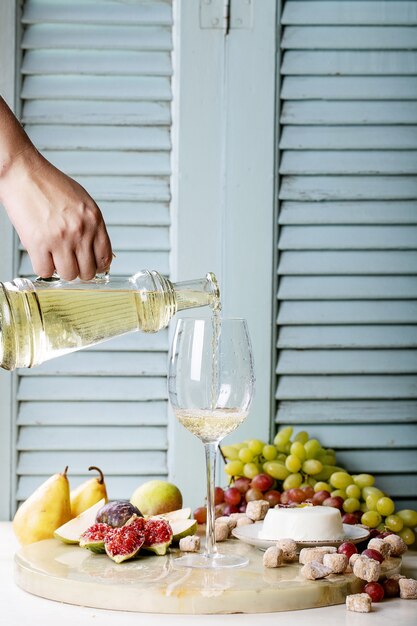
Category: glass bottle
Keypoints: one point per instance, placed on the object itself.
(44, 319)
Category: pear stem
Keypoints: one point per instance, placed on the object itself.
(101, 479)
(64, 473)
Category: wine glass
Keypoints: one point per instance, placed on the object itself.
(211, 384)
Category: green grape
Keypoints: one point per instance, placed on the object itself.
(280, 443)
(281, 457)
(320, 454)
(311, 481)
(407, 536)
(322, 486)
(312, 446)
(381, 527)
(351, 504)
(394, 523)
(372, 501)
(364, 480)
(276, 470)
(301, 436)
(328, 459)
(250, 470)
(385, 506)
(367, 491)
(292, 481)
(285, 433)
(325, 473)
(363, 507)
(312, 467)
(234, 468)
(341, 493)
(408, 516)
(269, 452)
(230, 452)
(238, 446)
(287, 449)
(246, 455)
(256, 445)
(371, 519)
(293, 463)
(298, 449)
(353, 491)
(341, 480)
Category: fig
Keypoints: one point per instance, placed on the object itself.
(93, 538)
(116, 513)
(124, 543)
(158, 534)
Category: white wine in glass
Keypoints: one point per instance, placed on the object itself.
(211, 384)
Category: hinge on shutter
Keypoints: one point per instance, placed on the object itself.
(225, 14)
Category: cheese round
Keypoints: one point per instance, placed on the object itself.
(308, 523)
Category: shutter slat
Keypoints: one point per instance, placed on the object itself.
(348, 138)
(99, 37)
(349, 88)
(395, 461)
(93, 388)
(350, 37)
(136, 213)
(349, 162)
(349, 62)
(114, 463)
(71, 413)
(131, 188)
(380, 336)
(350, 262)
(103, 162)
(348, 188)
(346, 287)
(346, 387)
(367, 212)
(127, 138)
(348, 312)
(347, 362)
(342, 412)
(345, 112)
(348, 237)
(349, 12)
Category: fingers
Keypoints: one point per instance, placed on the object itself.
(86, 260)
(42, 263)
(102, 249)
(66, 264)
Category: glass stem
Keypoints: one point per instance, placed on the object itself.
(211, 456)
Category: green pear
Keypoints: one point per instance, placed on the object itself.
(156, 497)
(182, 528)
(88, 493)
(44, 511)
(71, 531)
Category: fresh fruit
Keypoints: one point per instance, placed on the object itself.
(264, 482)
(276, 470)
(336, 502)
(394, 522)
(253, 494)
(312, 467)
(312, 446)
(350, 505)
(156, 496)
(124, 543)
(293, 463)
(232, 496)
(182, 528)
(373, 554)
(218, 495)
(200, 514)
(158, 534)
(177, 515)
(320, 496)
(391, 587)
(308, 491)
(375, 591)
(385, 506)
(88, 493)
(408, 536)
(349, 518)
(340, 480)
(269, 452)
(71, 531)
(296, 495)
(230, 508)
(116, 513)
(298, 450)
(250, 470)
(348, 548)
(353, 491)
(273, 497)
(363, 480)
(44, 511)
(234, 468)
(93, 538)
(242, 483)
(409, 517)
(371, 519)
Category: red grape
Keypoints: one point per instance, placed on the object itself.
(320, 496)
(308, 490)
(349, 518)
(219, 508)
(242, 507)
(230, 508)
(218, 495)
(273, 497)
(285, 499)
(254, 494)
(391, 588)
(232, 496)
(385, 534)
(336, 502)
(374, 534)
(296, 495)
(348, 548)
(242, 483)
(375, 591)
(200, 515)
(373, 554)
(263, 482)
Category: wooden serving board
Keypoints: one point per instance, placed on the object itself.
(152, 584)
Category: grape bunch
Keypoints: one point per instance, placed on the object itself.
(298, 469)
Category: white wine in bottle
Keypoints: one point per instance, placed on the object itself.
(46, 319)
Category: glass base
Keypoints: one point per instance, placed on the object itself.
(215, 561)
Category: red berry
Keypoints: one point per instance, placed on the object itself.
(254, 494)
(391, 588)
(232, 496)
(200, 515)
(218, 495)
(296, 495)
(308, 490)
(375, 591)
(374, 533)
(230, 508)
(285, 499)
(373, 554)
(348, 548)
(320, 496)
(219, 508)
(242, 483)
(336, 502)
(385, 534)
(273, 497)
(263, 482)
(349, 518)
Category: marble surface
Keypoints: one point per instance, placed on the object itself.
(18, 606)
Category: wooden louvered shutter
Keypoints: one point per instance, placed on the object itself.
(347, 268)
(96, 92)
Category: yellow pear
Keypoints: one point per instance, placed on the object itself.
(44, 511)
(88, 493)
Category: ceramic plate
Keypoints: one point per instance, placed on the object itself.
(250, 534)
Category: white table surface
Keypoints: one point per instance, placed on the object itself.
(18, 608)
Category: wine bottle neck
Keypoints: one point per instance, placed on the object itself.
(196, 293)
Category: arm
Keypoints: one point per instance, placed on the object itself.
(57, 221)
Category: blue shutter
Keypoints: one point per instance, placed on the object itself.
(347, 318)
(96, 93)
